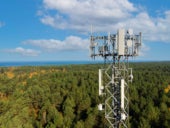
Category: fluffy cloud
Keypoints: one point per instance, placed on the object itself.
(106, 15)
(23, 52)
(80, 14)
(70, 43)
(153, 29)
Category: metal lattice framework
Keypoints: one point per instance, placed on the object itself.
(114, 79)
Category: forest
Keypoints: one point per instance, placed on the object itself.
(67, 96)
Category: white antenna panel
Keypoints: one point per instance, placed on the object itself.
(129, 43)
(122, 82)
(100, 107)
(121, 41)
(101, 87)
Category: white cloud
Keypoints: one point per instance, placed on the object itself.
(70, 43)
(153, 29)
(80, 14)
(105, 15)
(23, 52)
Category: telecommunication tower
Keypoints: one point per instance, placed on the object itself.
(114, 78)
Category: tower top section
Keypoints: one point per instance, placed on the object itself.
(123, 43)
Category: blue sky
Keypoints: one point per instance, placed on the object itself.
(50, 30)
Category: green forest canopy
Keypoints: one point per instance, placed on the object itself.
(67, 96)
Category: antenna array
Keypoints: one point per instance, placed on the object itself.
(114, 78)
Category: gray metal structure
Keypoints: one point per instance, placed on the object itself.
(114, 78)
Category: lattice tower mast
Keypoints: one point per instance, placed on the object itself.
(114, 78)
